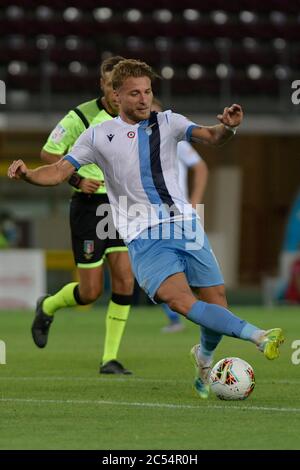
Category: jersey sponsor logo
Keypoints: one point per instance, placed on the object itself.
(110, 137)
(131, 134)
(88, 248)
(58, 134)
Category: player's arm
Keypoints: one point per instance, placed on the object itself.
(221, 133)
(47, 175)
(83, 153)
(61, 139)
(198, 183)
(86, 185)
(50, 158)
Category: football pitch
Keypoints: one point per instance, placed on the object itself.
(55, 398)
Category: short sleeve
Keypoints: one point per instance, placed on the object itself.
(84, 151)
(65, 134)
(187, 154)
(181, 127)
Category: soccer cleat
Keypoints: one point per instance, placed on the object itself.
(41, 324)
(113, 367)
(201, 383)
(173, 327)
(270, 343)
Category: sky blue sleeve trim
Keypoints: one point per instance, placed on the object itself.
(72, 161)
(188, 134)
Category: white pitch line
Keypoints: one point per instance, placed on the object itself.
(97, 379)
(150, 405)
(133, 379)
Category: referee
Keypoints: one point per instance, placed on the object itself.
(89, 251)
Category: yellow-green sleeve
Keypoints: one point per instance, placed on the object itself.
(65, 134)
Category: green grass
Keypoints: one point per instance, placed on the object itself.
(55, 398)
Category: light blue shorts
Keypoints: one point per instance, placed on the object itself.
(188, 251)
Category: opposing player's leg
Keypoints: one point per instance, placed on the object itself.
(118, 309)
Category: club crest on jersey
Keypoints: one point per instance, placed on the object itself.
(131, 134)
(110, 137)
(88, 248)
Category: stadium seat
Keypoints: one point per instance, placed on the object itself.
(161, 32)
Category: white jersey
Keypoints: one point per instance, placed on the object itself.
(187, 158)
(140, 165)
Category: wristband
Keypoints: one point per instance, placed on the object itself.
(74, 180)
(229, 128)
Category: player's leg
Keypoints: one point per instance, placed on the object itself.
(159, 267)
(201, 356)
(203, 270)
(122, 283)
(209, 339)
(216, 317)
(215, 321)
(175, 323)
(212, 294)
(202, 353)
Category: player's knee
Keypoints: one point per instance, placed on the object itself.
(222, 296)
(219, 297)
(89, 294)
(180, 303)
(123, 284)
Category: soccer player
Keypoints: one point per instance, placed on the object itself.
(188, 159)
(172, 262)
(89, 251)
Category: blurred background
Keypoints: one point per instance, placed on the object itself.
(210, 55)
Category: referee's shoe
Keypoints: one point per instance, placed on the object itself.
(113, 367)
(41, 324)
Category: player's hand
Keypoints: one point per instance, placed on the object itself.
(89, 186)
(232, 116)
(17, 170)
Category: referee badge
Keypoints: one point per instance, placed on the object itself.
(58, 134)
(88, 248)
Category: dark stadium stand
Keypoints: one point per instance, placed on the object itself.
(253, 47)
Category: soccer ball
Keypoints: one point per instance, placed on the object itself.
(232, 378)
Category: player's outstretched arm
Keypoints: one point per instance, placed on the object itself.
(50, 158)
(221, 133)
(48, 175)
(86, 185)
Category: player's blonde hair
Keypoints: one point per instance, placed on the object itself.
(130, 68)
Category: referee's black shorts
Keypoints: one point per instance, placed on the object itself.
(88, 249)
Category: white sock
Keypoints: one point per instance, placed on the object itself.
(205, 357)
